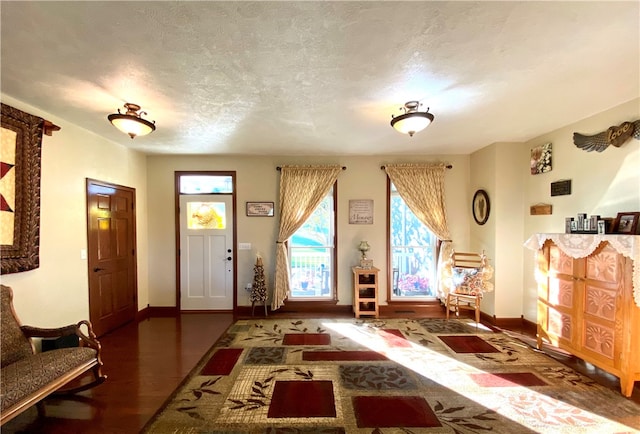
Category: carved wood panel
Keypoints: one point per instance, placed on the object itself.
(599, 339)
(561, 292)
(604, 266)
(600, 303)
(560, 324)
(559, 261)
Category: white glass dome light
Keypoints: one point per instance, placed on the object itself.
(131, 122)
(411, 121)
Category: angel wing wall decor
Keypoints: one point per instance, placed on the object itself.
(615, 136)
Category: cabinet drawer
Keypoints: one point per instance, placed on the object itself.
(366, 279)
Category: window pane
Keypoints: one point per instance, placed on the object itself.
(206, 215)
(311, 253)
(413, 251)
(205, 184)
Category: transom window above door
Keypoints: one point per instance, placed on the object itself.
(205, 184)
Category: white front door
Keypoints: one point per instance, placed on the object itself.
(206, 252)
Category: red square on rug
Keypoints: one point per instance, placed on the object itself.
(395, 339)
(507, 379)
(302, 399)
(306, 339)
(348, 356)
(222, 362)
(468, 344)
(393, 411)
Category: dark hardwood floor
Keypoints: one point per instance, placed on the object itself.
(146, 361)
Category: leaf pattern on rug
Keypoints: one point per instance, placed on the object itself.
(296, 327)
(375, 377)
(568, 375)
(404, 430)
(412, 332)
(258, 397)
(464, 424)
(306, 375)
(275, 335)
(266, 356)
(198, 393)
(442, 326)
(506, 347)
(226, 340)
(314, 430)
(550, 411)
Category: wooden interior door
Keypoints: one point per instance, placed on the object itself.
(111, 254)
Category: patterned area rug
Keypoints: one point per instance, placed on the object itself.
(386, 376)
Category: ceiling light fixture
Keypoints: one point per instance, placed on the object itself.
(132, 122)
(411, 121)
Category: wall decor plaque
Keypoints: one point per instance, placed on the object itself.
(561, 188)
(361, 212)
(259, 209)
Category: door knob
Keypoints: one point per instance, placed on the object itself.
(98, 269)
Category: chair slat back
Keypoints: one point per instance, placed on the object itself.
(467, 260)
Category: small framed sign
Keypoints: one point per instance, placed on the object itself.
(260, 209)
(361, 212)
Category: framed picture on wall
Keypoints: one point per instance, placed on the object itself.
(480, 206)
(541, 159)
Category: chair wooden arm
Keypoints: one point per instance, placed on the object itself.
(86, 339)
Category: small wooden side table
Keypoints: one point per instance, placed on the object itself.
(365, 291)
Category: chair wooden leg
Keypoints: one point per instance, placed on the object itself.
(447, 304)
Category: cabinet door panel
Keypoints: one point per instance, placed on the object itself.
(559, 262)
(561, 292)
(560, 324)
(600, 303)
(599, 339)
(604, 266)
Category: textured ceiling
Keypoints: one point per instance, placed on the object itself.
(321, 78)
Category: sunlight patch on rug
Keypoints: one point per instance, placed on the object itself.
(522, 405)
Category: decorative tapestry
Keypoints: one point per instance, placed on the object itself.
(20, 162)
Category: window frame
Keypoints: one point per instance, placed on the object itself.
(436, 251)
(332, 298)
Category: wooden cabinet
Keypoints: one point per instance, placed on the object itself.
(586, 306)
(365, 291)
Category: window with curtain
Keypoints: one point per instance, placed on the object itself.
(413, 253)
(312, 254)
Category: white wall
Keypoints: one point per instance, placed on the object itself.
(497, 170)
(258, 180)
(601, 183)
(57, 292)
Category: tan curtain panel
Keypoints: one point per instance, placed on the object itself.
(302, 188)
(421, 186)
